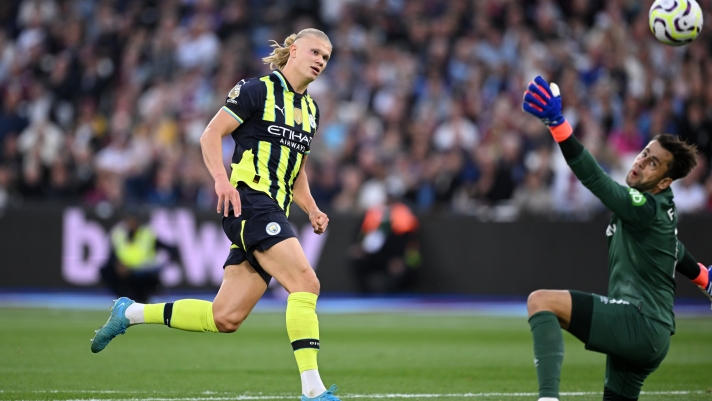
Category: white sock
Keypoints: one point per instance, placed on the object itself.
(135, 313)
(311, 383)
(548, 399)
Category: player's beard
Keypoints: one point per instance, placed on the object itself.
(644, 186)
(639, 184)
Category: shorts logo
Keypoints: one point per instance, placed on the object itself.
(273, 228)
(637, 198)
(612, 301)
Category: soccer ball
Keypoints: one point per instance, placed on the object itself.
(675, 22)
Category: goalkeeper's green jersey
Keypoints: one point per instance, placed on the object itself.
(642, 242)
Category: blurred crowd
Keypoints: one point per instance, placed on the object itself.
(103, 102)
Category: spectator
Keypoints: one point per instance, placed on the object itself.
(386, 257)
(533, 198)
(571, 200)
(60, 189)
(697, 129)
(690, 195)
(44, 11)
(456, 132)
(12, 120)
(31, 186)
(627, 140)
(43, 141)
(4, 188)
(199, 47)
(351, 179)
(165, 191)
(326, 187)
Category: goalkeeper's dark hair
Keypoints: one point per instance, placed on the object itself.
(684, 155)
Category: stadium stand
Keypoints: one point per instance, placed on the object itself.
(103, 102)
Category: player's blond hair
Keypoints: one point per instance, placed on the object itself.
(279, 56)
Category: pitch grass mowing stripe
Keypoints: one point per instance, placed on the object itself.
(346, 396)
(48, 350)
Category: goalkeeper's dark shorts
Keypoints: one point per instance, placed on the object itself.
(261, 225)
(635, 344)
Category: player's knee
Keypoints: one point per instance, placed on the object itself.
(228, 322)
(311, 284)
(537, 301)
(226, 325)
(305, 281)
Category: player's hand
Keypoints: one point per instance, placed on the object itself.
(544, 102)
(708, 289)
(227, 195)
(319, 221)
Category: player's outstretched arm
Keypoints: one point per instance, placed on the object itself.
(303, 198)
(696, 272)
(544, 102)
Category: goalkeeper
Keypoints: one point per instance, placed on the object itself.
(632, 325)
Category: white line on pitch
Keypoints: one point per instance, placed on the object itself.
(247, 397)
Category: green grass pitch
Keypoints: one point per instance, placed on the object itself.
(44, 355)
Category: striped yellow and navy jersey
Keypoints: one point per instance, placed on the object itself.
(276, 128)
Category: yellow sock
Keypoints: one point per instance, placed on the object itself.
(153, 313)
(303, 328)
(185, 314)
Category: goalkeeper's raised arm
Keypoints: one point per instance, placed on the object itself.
(663, 160)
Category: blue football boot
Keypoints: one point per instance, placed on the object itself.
(117, 324)
(325, 396)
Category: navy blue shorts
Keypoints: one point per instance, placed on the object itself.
(261, 225)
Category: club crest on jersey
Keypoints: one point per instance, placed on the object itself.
(312, 121)
(273, 228)
(297, 115)
(637, 198)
